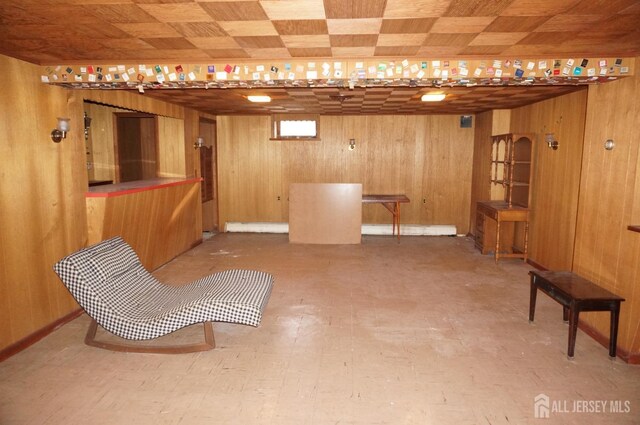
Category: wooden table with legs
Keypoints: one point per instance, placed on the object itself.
(390, 202)
(500, 212)
(576, 294)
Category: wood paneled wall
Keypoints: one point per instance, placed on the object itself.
(481, 174)
(42, 193)
(159, 224)
(191, 133)
(556, 175)
(426, 157)
(42, 209)
(210, 208)
(172, 148)
(605, 251)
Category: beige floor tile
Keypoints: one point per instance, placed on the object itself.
(424, 331)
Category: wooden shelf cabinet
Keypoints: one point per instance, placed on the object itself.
(511, 162)
(511, 173)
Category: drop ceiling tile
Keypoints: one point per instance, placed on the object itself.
(301, 27)
(235, 10)
(248, 28)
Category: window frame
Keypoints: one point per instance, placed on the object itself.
(276, 119)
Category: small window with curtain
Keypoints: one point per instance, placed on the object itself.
(295, 127)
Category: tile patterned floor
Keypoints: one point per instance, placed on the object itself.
(425, 331)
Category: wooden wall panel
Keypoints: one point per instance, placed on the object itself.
(447, 171)
(344, 165)
(501, 123)
(393, 154)
(606, 252)
(556, 176)
(42, 207)
(249, 171)
(481, 173)
(209, 208)
(191, 133)
(148, 148)
(391, 142)
(42, 192)
(158, 224)
(172, 147)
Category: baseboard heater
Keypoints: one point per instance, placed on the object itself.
(367, 229)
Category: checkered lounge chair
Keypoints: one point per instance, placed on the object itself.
(117, 292)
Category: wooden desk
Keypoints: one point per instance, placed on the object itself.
(576, 294)
(391, 203)
(500, 212)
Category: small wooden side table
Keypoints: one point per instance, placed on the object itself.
(391, 203)
(576, 294)
(500, 212)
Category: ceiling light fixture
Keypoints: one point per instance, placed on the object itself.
(433, 97)
(259, 99)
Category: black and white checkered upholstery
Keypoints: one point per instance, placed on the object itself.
(113, 287)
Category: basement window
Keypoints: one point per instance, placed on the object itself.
(295, 127)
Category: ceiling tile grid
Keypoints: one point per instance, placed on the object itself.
(314, 28)
(51, 32)
(371, 101)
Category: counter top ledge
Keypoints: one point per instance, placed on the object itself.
(118, 189)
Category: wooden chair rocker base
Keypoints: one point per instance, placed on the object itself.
(208, 344)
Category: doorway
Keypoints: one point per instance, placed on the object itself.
(209, 174)
(135, 147)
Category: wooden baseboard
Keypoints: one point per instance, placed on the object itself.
(194, 244)
(38, 335)
(536, 265)
(631, 358)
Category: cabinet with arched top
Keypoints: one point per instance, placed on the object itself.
(511, 174)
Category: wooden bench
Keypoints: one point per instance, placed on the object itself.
(576, 294)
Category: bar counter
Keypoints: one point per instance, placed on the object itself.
(159, 218)
(118, 189)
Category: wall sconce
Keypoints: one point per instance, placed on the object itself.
(352, 144)
(199, 143)
(552, 143)
(609, 145)
(60, 132)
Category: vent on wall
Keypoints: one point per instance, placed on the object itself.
(466, 121)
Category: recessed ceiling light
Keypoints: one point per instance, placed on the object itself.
(433, 97)
(259, 99)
